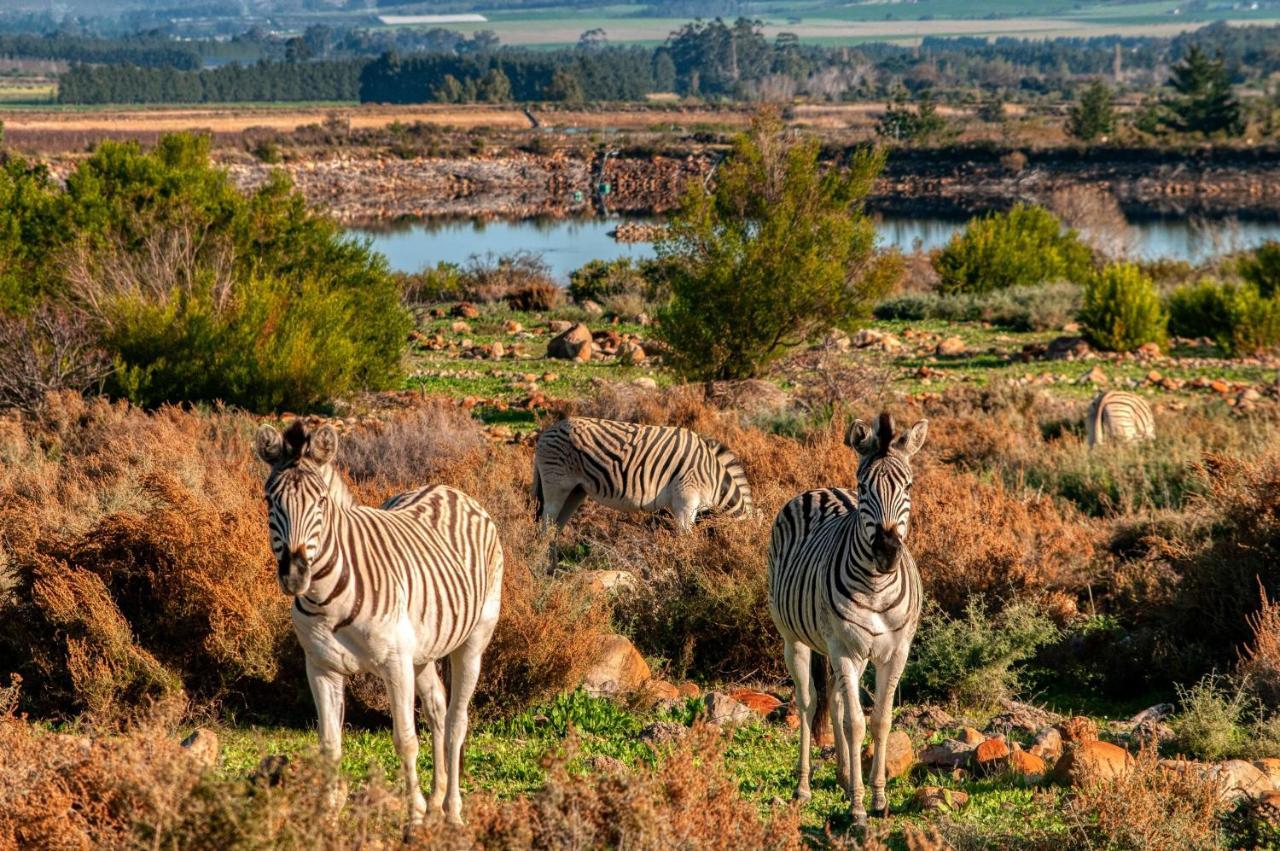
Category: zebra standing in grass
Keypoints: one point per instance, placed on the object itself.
(1116, 416)
(842, 584)
(385, 590)
(634, 467)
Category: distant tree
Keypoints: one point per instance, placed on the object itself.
(565, 86)
(907, 121)
(495, 87)
(1094, 114)
(485, 41)
(297, 49)
(664, 72)
(778, 252)
(1203, 101)
(593, 39)
(991, 110)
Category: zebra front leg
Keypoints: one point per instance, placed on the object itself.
(849, 673)
(839, 720)
(431, 690)
(399, 679)
(797, 657)
(327, 689)
(881, 720)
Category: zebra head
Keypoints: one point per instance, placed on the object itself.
(297, 494)
(884, 485)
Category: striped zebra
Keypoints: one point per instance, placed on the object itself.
(388, 591)
(843, 585)
(634, 467)
(1116, 416)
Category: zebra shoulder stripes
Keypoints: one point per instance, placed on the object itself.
(387, 590)
(1117, 416)
(843, 585)
(635, 467)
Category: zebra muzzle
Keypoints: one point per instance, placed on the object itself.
(295, 572)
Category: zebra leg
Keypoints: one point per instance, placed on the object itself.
(431, 690)
(848, 674)
(327, 689)
(839, 718)
(684, 506)
(796, 655)
(557, 509)
(881, 719)
(399, 679)
(464, 666)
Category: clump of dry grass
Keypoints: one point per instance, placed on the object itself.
(1260, 662)
(413, 447)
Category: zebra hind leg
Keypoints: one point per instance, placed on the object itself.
(796, 656)
(464, 670)
(431, 691)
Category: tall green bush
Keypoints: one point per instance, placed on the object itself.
(1261, 267)
(1236, 316)
(1122, 309)
(1023, 247)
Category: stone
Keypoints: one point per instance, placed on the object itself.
(950, 347)
(592, 308)
(663, 732)
(660, 691)
(573, 344)
(1067, 348)
(1159, 712)
(1220, 387)
(618, 668)
(604, 764)
(757, 701)
(1022, 717)
(1094, 376)
(927, 718)
(900, 756)
(837, 340)
(951, 753)
(1078, 729)
(722, 709)
(497, 350)
(1241, 780)
(645, 382)
(202, 746)
(991, 754)
(1149, 350)
(936, 798)
(511, 326)
(971, 737)
(559, 326)
(1026, 766)
(631, 353)
(1151, 732)
(1270, 767)
(1090, 762)
(465, 310)
(610, 581)
(1248, 395)
(270, 771)
(689, 690)
(460, 327)
(1268, 808)
(867, 337)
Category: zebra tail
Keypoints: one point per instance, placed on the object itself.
(818, 672)
(537, 493)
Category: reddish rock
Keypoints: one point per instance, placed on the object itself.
(1090, 762)
(573, 344)
(661, 690)
(689, 690)
(1220, 387)
(899, 755)
(970, 736)
(460, 327)
(1242, 780)
(931, 798)
(949, 754)
(1047, 744)
(757, 701)
(465, 310)
(1028, 767)
(991, 754)
(950, 347)
(722, 709)
(618, 668)
(1078, 729)
(1271, 768)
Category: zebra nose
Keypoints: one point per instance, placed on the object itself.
(299, 554)
(889, 535)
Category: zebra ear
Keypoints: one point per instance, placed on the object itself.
(323, 444)
(913, 439)
(861, 438)
(268, 444)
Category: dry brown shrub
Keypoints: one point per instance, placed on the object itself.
(1260, 664)
(411, 448)
(1150, 808)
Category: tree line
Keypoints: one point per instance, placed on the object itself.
(143, 49)
(265, 81)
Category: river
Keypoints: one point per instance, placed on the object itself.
(566, 244)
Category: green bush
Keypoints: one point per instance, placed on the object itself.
(1199, 310)
(597, 280)
(1122, 309)
(1262, 268)
(1217, 719)
(1235, 316)
(442, 283)
(1023, 247)
(971, 661)
(1040, 308)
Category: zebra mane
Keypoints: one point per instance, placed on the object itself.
(884, 434)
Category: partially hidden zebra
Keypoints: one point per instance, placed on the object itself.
(1119, 417)
(634, 467)
(388, 591)
(843, 585)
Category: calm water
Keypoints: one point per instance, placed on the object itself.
(567, 244)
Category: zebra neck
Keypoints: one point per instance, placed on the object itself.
(339, 494)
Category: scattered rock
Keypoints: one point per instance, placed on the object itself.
(645, 382)
(465, 310)
(1067, 348)
(1242, 780)
(592, 308)
(1220, 387)
(604, 764)
(661, 691)
(935, 798)
(927, 718)
(631, 353)
(602, 581)
(757, 701)
(270, 771)
(1026, 766)
(689, 690)
(952, 753)
(1090, 762)
(722, 709)
(202, 746)
(1151, 732)
(950, 347)
(663, 732)
(837, 340)
(1078, 729)
(460, 327)
(899, 755)
(1071, 328)
(1248, 396)
(1047, 744)
(1094, 376)
(573, 344)
(559, 326)
(1271, 768)
(497, 350)
(618, 668)
(971, 737)
(1159, 712)
(1022, 717)
(1149, 350)
(991, 754)
(512, 327)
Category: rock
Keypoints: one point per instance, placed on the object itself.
(559, 326)
(631, 353)
(1154, 377)
(1026, 766)
(496, 350)
(950, 347)
(899, 755)
(1241, 780)
(618, 668)
(465, 310)
(1047, 744)
(663, 732)
(1220, 387)
(867, 337)
(1078, 729)
(460, 327)
(603, 764)
(645, 382)
(1067, 348)
(1071, 328)
(602, 581)
(971, 737)
(270, 771)
(722, 709)
(1149, 350)
(1248, 395)
(689, 690)
(573, 344)
(592, 308)
(926, 718)
(1150, 732)
(1022, 717)
(202, 746)
(757, 701)
(1159, 712)
(837, 340)
(661, 691)
(952, 753)
(512, 327)
(1094, 376)
(935, 798)
(1271, 768)
(991, 754)
(1090, 762)
(1268, 808)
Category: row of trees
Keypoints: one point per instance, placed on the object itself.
(150, 50)
(264, 81)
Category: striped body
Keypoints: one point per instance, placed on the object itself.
(1119, 417)
(843, 585)
(635, 467)
(388, 591)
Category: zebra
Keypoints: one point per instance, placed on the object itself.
(1120, 417)
(386, 590)
(843, 585)
(634, 467)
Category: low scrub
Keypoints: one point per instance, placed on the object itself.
(1236, 316)
(1218, 719)
(1023, 247)
(1039, 308)
(1121, 309)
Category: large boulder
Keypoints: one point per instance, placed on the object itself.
(573, 344)
(952, 753)
(899, 755)
(1025, 766)
(202, 746)
(1241, 780)
(1091, 762)
(722, 709)
(926, 718)
(1270, 767)
(1047, 744)
(991, 755)
(618, 668)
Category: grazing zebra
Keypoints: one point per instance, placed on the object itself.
(634, 467)
(842, 584)
(1120, 417)
(385, 590)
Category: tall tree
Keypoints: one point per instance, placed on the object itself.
(1203, 101)
(1094, 114)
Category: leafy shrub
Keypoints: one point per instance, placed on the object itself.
(1260, 665)
(1201, 309)
(1235, 316)
(1255, 322)
(1218, 719)
(1262, 268)
(971, 660)
(1121, 309)
(442, 283)
(1022, 247)
(598, 280)
(1038, 308)
(491, 278)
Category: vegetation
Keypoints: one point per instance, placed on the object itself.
(1023, 247)
(1261, 267)
(1203, 101)
(1235, 315)
(902, 123)
(1093, 115)
(1122, 309)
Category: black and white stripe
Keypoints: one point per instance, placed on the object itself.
(1119, 417)
(635, 467)
(386, 590)
(842, 584)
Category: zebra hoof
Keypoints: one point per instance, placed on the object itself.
(880, 812)
(802, 796)
(860, 821)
